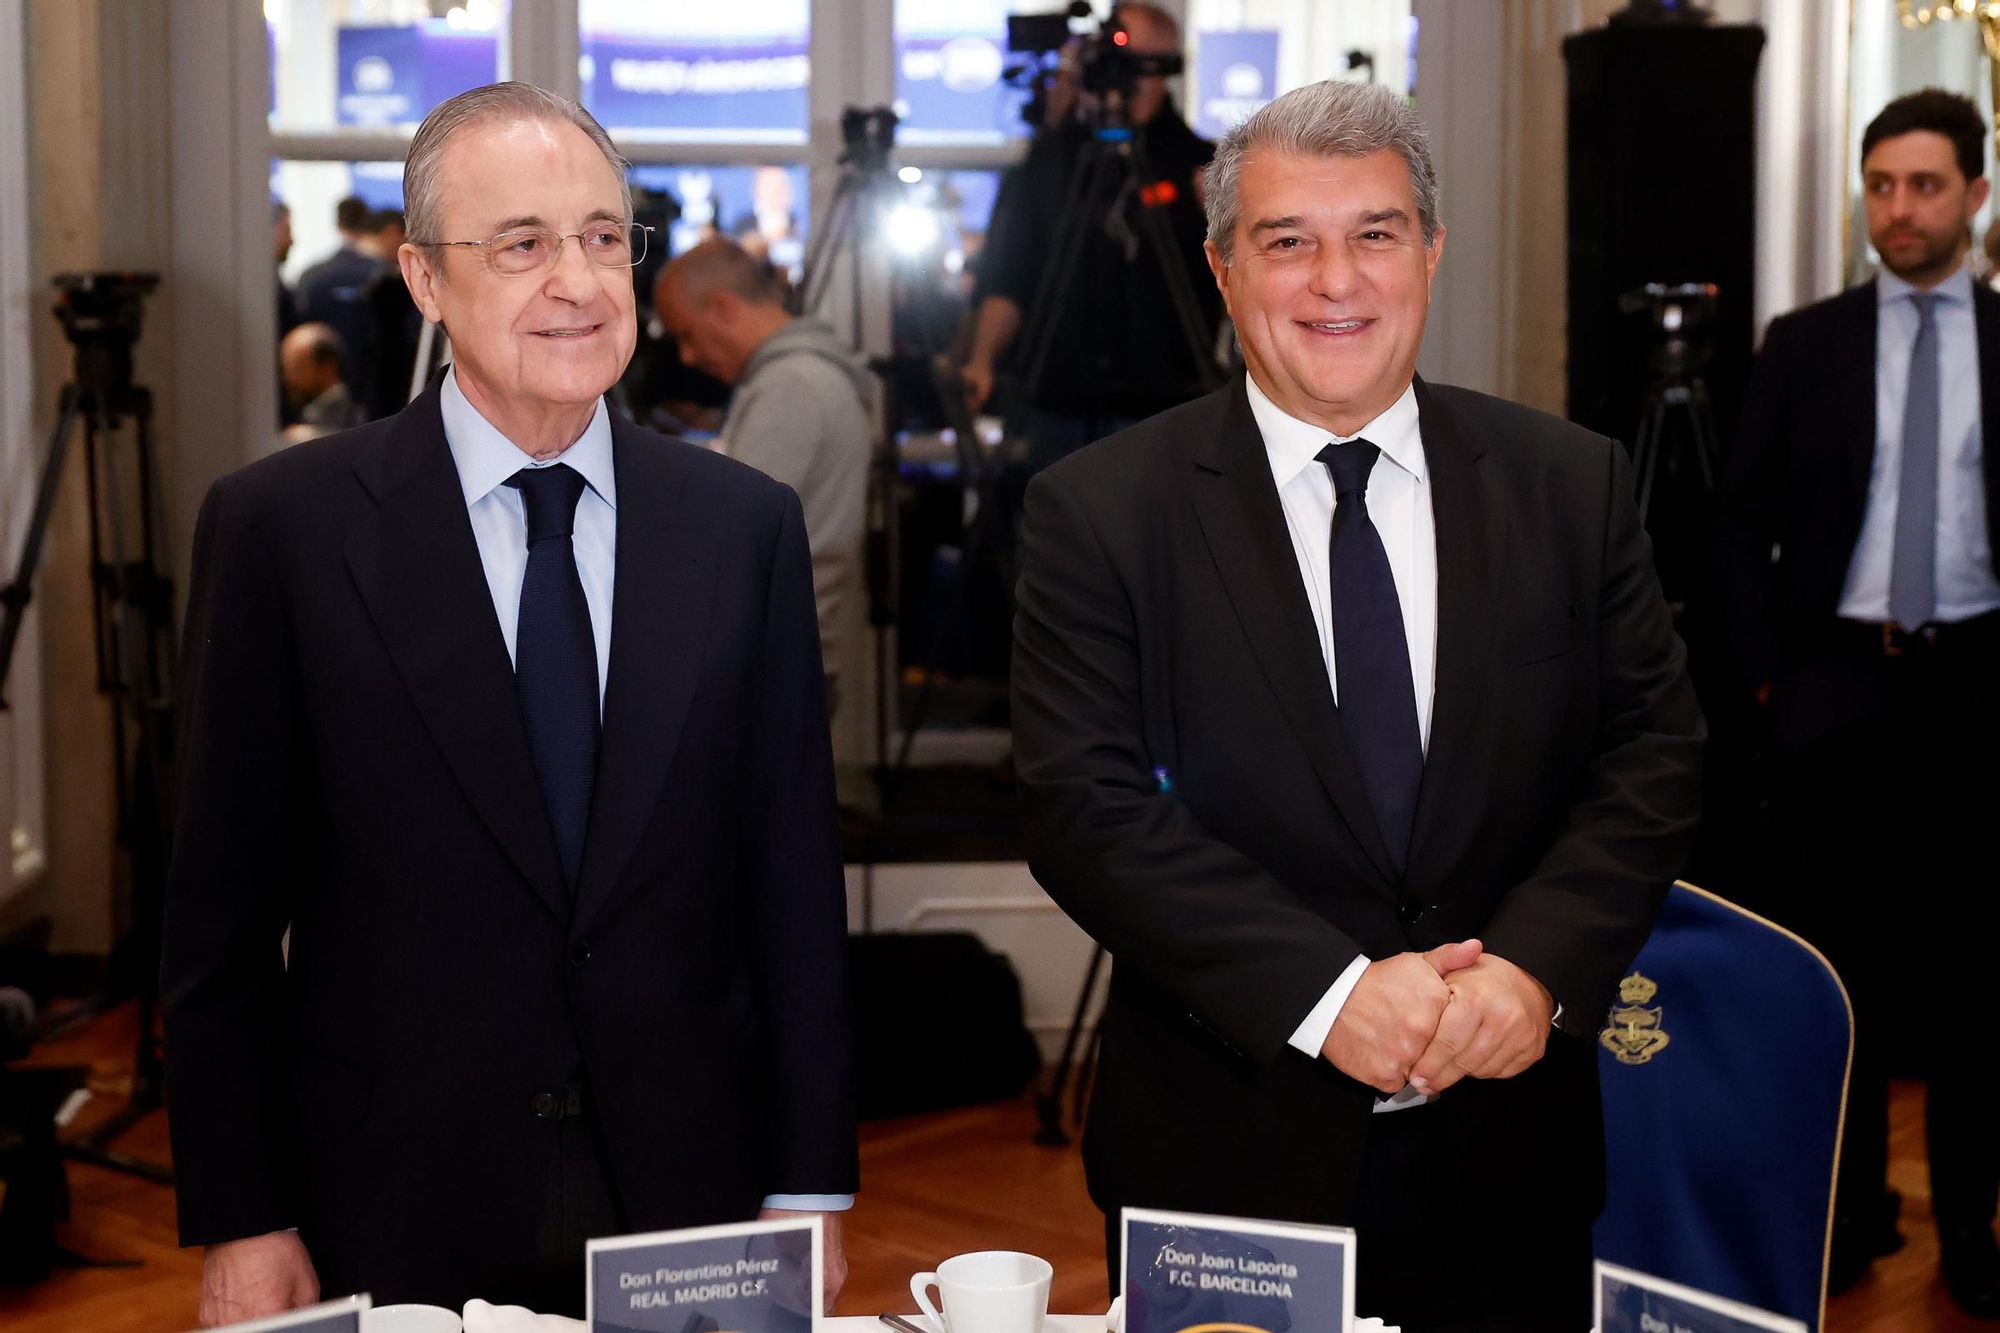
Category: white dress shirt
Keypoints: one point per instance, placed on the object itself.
(485, 459)
(1399, 504)
(1966, 586)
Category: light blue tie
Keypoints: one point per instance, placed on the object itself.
(1913, 573)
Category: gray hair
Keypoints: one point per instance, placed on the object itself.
(424, 209)
(1328, 119)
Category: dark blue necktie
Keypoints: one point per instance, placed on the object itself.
(555, 658)
(1371, 655)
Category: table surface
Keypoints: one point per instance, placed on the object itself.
(1061, 1323)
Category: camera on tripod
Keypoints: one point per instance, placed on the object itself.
(1105, 61)
(1682, 316)
(867, 136)
(102, 314)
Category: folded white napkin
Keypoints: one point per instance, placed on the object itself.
(483, 1318)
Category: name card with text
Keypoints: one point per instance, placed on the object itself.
(1631, 1302)
(755, 1277)
(342, 1316)
(1186, 1270)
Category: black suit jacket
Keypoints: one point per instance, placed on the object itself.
(355, 767)
(1797, 476)
(1163, 625)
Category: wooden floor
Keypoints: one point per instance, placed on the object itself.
(934, 1186)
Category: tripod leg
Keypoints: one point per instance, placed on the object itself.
(14, 598)
(1049, 1104)
(1159, 239)
(1087, 184)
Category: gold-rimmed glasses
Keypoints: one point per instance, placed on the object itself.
(524, 250)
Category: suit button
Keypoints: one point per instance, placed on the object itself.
(579, 953)
(547, 1106)
(1410, 912)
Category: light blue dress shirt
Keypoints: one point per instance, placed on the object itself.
(485, 459)
(1966, 586)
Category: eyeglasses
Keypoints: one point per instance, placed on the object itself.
(533, 249)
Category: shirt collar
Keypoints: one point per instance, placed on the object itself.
(1294, 445)
(1957, 288)
(485, 458)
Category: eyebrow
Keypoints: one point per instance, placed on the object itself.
(1293, 222)
(1289, 223)
(536, 220)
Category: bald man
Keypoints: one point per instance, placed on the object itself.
(311, 363)
(803, 412)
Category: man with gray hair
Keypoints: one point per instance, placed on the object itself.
(803, 412)
(511, 713)
(1350, 718)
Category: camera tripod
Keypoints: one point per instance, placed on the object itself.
(132, 624)
(866, 189)
(1111, 169)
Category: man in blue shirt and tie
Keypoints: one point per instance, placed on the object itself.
(509, 715)
(1864, 592)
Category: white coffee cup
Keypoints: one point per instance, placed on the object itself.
(992, 1291)
(412, 1319)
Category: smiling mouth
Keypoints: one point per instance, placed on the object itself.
(1335, 327)
(568, 333)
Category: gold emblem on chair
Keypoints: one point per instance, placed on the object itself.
(1634, 1035)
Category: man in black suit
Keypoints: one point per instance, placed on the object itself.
(513, 714)
(1862, 582)
(333, 291)
(1350, 718)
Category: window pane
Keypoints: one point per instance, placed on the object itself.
(764, 208)
(313, 190)
(735, 70)
(373, 64)
(952, 63)
(1243, 53)
(935, 237)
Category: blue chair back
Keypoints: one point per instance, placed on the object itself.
(1724, 1066)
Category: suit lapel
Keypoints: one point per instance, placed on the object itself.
(418, 570)
(1237, 505)
(1469, 551)
(660, 609)
(1853, 379)
(1986, 322)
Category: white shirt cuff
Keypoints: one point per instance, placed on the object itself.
(1310, 1039)
(811, 1203)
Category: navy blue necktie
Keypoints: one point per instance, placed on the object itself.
(555, 658)
(1371, 655)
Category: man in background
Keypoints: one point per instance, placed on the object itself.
(332, 291)
(310, 361)
(1865, 599)
(803, 412)
(1119, 352)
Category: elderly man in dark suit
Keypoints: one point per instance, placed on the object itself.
(1350, 717)
(513, 714)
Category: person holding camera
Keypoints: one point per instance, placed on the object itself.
(1118, 349)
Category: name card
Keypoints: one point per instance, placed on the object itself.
(755, 1277)
(1186, 1270)
(343, 1316)
(1631, 1302)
